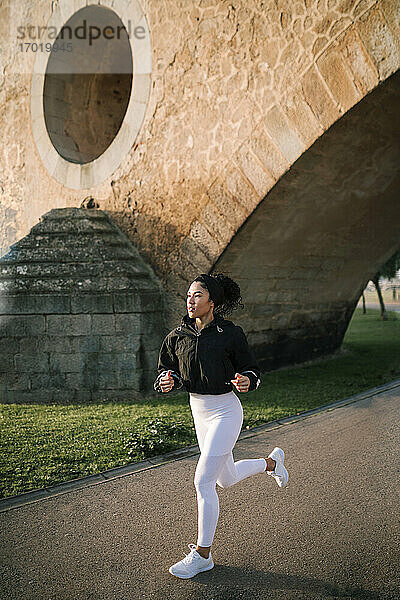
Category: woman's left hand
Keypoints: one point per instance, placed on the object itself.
(241, 382)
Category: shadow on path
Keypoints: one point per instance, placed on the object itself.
(259, 584)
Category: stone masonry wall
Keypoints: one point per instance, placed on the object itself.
(339, 220)
(79, 313)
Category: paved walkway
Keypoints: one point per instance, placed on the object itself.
(332, 533)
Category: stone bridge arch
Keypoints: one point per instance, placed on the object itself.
(338, 211)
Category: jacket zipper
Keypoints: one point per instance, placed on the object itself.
(197, 344)
(198, 333)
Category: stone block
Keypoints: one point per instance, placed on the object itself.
(37, 343)
(104, 380)
(217, 224)
(361, 7)
(3, 391)
(318, 98)
(226, 204)
(268, 153)
(77, 343)
(294, 284)
(103, 324)
(130, 379)
(150, 330)
(47, 381)
(201, 248)
(11, 344)
(68, 324)
(14, 381)
(151, 360)
(298, 111)
(340, 25)
(282, 296)
(153, 342)
(240, 189)
(266, 309)
(391, 11)
(6, 362)
(126, 302)
(84, 380)
(11, 286)
(88, 303)
(34, 304)
(173, 314)
(117, 361)
(91, 362)
(336, 76)
(283, 134)
(380, 41)
(61, 214)
(22, 325)
(128, 324)
(140, 301)
(3, 386)
(31, 363)
(280, 321)
(358, 61)
(299, 319)
(150, 300)
(65, 363)
(177, 284)
(119, 343)
(252, 169)
(297, 334)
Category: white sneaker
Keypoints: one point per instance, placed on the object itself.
(192, 564)
(280, 474)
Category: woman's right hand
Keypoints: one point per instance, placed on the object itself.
(167, 382)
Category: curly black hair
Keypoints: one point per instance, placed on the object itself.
(233, 299)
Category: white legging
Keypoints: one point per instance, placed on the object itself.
(218, 421)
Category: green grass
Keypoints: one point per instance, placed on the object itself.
(43, 444)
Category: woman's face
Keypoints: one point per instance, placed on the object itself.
(198, 301)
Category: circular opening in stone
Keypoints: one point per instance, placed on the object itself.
(88, 84)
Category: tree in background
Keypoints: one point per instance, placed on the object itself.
(387, 271)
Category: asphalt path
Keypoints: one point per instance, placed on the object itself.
(332, 533)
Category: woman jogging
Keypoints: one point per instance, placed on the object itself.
(208, 355)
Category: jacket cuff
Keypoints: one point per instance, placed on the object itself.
(254, 379)
(178, 382)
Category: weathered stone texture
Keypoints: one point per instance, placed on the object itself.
(381, 42)
(318, 97)
(61, 339)
(339, 80)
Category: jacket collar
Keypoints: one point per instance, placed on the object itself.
(189, 323)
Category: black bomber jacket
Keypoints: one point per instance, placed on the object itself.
(205, 362)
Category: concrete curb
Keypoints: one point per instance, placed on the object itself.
(157, 461)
